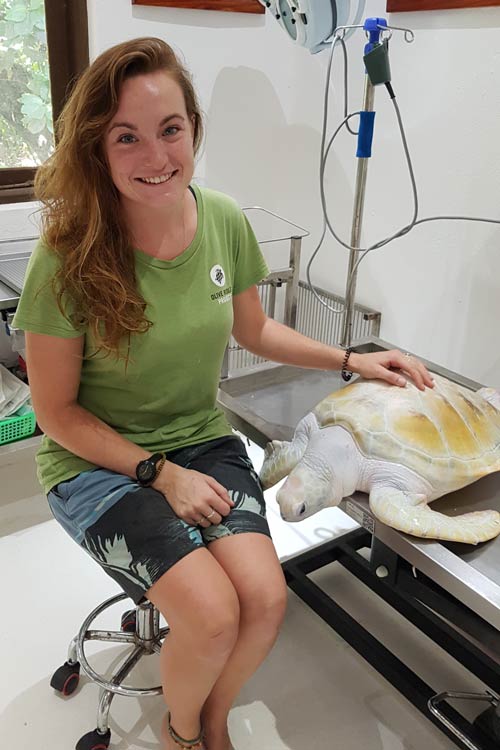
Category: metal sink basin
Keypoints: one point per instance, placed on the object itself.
(267, 404)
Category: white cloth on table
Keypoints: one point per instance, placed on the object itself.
(13, 393)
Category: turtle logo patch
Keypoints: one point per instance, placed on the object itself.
(224, 294)
(217, 275)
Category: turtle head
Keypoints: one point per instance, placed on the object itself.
(327, 472)
(307, 491)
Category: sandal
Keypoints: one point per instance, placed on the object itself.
(196, 744)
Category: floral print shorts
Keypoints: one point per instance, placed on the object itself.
(132, 531)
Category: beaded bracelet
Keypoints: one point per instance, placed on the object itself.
(346, 374)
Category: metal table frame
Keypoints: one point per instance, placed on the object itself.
(427, 606)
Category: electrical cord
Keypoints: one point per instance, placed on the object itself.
(323, 160)
(324, 156)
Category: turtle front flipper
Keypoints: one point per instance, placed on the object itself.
(281, 457)
(410, 513)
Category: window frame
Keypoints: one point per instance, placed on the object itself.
(233, 6)
(68, 47)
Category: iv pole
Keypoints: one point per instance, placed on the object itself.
(365, 137)
(357, 222)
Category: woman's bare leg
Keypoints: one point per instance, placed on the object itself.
(201, 607)
(251, 563)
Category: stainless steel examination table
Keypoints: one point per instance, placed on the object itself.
(450, 592)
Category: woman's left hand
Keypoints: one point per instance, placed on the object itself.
(378, 365)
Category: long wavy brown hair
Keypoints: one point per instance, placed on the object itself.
(82, 219)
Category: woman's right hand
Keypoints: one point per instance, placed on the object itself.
(193, 496)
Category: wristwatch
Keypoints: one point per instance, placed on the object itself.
(147, 471)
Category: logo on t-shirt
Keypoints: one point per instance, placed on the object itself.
(219, 278)
(217, 275)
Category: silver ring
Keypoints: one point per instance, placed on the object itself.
(210, 514)
(407, 354)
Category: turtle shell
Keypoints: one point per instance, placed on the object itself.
(446, 434)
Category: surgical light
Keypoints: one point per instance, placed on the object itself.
(311, 23)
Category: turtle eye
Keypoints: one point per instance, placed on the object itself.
(302, 509)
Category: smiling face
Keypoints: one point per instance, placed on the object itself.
(149, 142)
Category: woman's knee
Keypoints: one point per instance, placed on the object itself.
(213, 631)
(266, 605)
(251, 563)
(200, 604)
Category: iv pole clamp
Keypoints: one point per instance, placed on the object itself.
(376, 60)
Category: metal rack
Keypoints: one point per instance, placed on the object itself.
(286, 298)
(14, 256)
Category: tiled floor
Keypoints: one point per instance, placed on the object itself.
(313, 692)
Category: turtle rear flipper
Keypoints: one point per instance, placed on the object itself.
(410, 513)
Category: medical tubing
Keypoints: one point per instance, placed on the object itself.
(326, 223)
(308, 267)
(408, 227)
(326, 97)
(327, 89)
(322, 175)
(400, 232)
(423, 221)
(345, 122)
(346, 85)
(417, 221)
(323, 159)
(324, 156)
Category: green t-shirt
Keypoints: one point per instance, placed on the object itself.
(166, 397)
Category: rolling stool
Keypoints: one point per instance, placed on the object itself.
(140, 627)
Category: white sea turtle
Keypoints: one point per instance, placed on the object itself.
(402, 446)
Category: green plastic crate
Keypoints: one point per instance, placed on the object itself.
(22, 424)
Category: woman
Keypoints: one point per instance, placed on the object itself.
(129, 301)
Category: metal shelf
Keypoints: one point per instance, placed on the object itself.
(14, 257)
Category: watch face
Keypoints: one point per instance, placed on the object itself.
(145, 471)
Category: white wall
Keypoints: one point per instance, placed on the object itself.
(438, 288)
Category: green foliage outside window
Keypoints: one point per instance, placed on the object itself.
(26, 130)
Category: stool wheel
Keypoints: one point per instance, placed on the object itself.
(128, 621)
(65, 679)
(94, 741)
